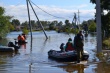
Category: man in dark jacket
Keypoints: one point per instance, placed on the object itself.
(78, 45)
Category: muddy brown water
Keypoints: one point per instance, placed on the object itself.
(34, 59)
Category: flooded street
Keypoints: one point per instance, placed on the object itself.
(35, 59)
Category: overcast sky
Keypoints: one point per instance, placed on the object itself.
(59, 10)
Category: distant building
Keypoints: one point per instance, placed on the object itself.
(18, 28)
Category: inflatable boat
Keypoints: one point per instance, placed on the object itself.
(66, 56)
(6, 49)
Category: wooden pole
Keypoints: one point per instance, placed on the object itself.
(98, 22)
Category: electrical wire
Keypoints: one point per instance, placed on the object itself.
(19, 3)
(46, 11)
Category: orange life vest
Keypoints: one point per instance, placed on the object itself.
(22, 38)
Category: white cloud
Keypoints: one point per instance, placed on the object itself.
(20, 12)
(82, 6)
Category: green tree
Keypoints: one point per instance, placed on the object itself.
(11, 27)
(67, 22)
(105, 6)
(25, 31)
(33, 24)
(15, 22)
(106, 24)
(25, 25)
(85, 26)
(68, 27)
(44, 23)
(4, 23)
(59, 24)
(52, 26)
(92, 26)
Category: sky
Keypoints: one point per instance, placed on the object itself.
(49, 10)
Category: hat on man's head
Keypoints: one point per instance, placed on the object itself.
(80, 31)
(69, 39)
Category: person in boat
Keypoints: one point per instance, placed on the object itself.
(69, 45)
(78, 45)
(24, 36)
(10, 44)
(21, 39)
(62, 47)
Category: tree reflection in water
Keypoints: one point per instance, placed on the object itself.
(70, 68)
(102, 67)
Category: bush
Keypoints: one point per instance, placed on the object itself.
(25, 31)
(106, 42)
(75, 31)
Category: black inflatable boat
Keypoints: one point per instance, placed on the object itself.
(66, 56)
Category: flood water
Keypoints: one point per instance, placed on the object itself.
(34, 59)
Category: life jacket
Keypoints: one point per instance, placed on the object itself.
(19, 37)
(69, 47)
(22, 38)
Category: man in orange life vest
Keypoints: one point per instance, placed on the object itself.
(21, 39)
(69, 45)
(24, 36)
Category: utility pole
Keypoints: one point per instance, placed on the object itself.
(29, 21)
(38, 19)
(78, 19)
(98, 22)
(75, 19)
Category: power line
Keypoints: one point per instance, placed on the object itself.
(19, 2)
(47, 12)
(37, 18)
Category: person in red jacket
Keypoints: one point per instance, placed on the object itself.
(69, 45)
